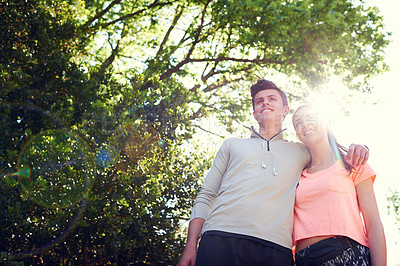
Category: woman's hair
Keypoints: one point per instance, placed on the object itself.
(339, 151)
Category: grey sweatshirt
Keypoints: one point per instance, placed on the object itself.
(242, 195)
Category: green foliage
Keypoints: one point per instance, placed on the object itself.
(394, 205)
(127, 81)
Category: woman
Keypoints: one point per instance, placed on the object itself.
(335, 210)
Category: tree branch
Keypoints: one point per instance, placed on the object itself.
(209, 132)
(196, 39)
(101, 13)
(244, 60)
(176, 18)
(221, 83)
(213, 72)
(210, 73)
(154, 4)
(111, 58)
(169, 72)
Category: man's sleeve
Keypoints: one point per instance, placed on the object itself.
(209, 192)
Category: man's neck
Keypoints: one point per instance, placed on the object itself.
(269, 131)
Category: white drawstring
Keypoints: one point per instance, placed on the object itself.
(263, 164)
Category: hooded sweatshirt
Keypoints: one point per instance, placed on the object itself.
(250, 188)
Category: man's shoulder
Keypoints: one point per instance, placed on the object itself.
(293, 144)
(240, 143)
(302, 148)
(292, 149)
(237, 139)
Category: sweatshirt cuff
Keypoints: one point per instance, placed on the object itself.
(200, 210)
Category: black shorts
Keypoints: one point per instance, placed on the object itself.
(221, 248)
(338, 250)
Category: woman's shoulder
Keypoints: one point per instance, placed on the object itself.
(362, 172)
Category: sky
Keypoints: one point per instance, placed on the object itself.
(377, 125)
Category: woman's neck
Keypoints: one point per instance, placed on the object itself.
(322, 156)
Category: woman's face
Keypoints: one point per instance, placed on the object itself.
(308, 125)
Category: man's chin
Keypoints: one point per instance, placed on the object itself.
(269, 116)
(277, 119)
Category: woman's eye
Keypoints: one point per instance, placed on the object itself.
(312, 117)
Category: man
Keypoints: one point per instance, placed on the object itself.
(245, 208)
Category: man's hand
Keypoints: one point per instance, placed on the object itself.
(357, 154)
(188, 257)
(189, 253)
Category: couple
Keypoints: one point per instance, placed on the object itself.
(244, 212)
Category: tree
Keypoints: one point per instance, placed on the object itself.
(394, 205)
(212, 47)
(108, 92)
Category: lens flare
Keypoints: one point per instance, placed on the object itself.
(138, 144)
(24, 172)
(47, 174)
(335, 149)
(62, 169)
(106, 156)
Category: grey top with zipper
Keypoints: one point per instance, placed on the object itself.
(250, 188)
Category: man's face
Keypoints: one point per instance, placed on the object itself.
(268, 105)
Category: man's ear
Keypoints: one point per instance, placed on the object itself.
(254, 115)
(285, 111)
